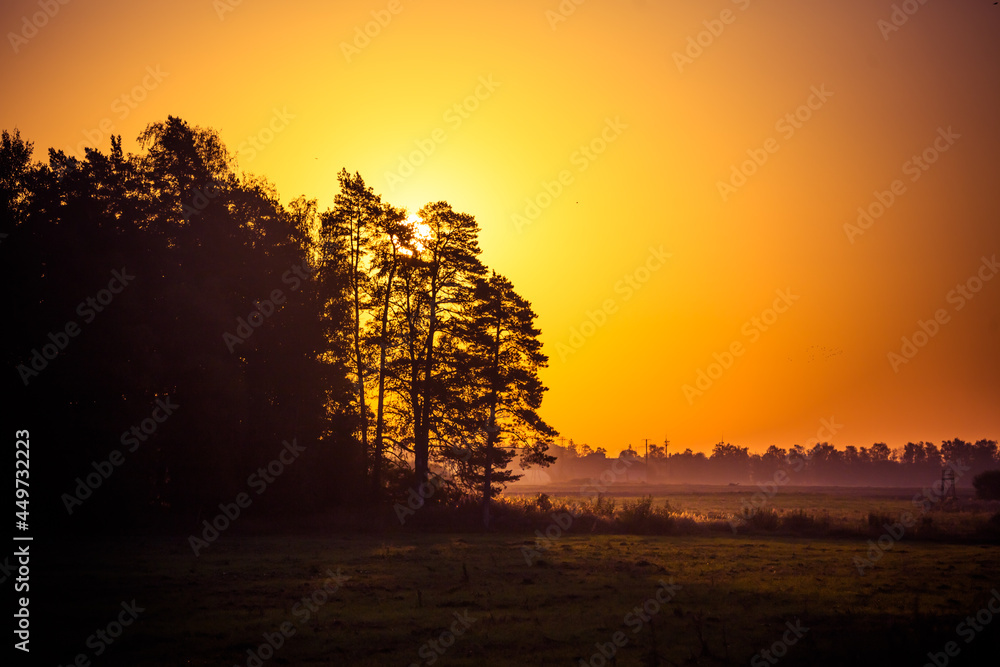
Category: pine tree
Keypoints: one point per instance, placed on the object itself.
(499, 364)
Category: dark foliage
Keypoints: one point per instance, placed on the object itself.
(987, 485)
(180, 337)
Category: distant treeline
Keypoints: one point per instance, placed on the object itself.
(177, 337)
(915, 464)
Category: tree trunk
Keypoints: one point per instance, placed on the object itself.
(362, 406)
(491, 437)
(379, 417)
(422, 436)
(492, 430)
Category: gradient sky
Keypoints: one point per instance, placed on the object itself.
(676, 128)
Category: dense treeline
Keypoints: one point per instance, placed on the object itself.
(915, 464)
(179, 337)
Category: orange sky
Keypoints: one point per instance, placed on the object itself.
(664, 128)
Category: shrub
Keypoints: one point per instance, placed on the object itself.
(877, 521)
(543, 502)
(604, 506)
(801, 522)
(640, 516)
(926, 526)
(990, 529)
(762, 518)
(987, 485)
(636, 512)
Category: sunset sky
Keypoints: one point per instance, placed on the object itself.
(591, 146)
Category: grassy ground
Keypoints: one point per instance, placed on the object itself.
(730, 597)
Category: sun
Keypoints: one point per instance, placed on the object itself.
(421, 232)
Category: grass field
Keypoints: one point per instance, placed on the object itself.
(843, 508)
(474, 599)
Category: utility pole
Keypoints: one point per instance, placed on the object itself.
(647, 460)
(666, 455)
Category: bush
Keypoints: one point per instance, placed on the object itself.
(636, 512)
(640, 516)
(801, 522)
(987, 485)
(604, 506)
(543, 502)
(763, 518)
(878, 521)
(990, 529)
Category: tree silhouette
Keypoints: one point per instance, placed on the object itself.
(441, 280)
(393, 242)
(352, 221)
(370, 295)
(206, 250)
(499, 364)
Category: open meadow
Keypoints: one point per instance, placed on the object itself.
(396, 597)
